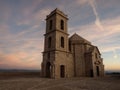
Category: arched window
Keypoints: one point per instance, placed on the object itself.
(49, 42)
(51, 24)
(62, 42)
(62, 24)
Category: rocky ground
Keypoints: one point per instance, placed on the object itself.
(82, 83)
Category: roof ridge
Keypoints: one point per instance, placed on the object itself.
(75, 34)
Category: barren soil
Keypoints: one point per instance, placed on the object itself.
(82, 83)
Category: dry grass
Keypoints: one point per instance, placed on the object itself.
(33, 82)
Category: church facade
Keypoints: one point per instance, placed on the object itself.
(64, 56)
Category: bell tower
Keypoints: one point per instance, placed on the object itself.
(56, 37)
(56, 53)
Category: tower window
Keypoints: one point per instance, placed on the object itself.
(51, 24)
(62, 42)
(49, 42)
(62, 24)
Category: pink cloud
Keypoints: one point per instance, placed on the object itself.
(20, 60)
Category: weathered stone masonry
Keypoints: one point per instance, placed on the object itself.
(65, 57)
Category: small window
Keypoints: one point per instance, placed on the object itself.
(51, 24)
(49, 42)
(62, 24)
(62, 42)
(69, 46)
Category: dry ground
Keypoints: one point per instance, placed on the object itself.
(82, 83)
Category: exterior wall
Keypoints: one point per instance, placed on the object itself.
(79, 60)
(66, 59)
(46, 60)
(53, 45)
(58, 41)
(87, 46)
(92, 62)
(84, 58)
(97, 62)
(78, 50)
(88, 65)
(61, 58)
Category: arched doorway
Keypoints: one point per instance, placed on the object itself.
(48, 69)
(62, 71)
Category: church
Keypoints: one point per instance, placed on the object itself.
(65, 57)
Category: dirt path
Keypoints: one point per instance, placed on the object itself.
(107, 83)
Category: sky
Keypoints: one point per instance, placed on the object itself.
(22, 29)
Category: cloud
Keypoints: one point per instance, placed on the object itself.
(106, 40)
(20, 60)
(21, 50)
(97, 22)
(21, 42)
(6, 13)
(4, 28)
(27, 9)
(81, 2)
(33, 18)
(115, 54)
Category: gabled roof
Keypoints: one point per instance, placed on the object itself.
(92, 48)
(76, 37)
(97, 49)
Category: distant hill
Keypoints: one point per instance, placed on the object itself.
(21, 73)
(112, 72)
(18, 70)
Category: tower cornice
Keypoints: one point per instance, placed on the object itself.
(55, 31)
(56, 11)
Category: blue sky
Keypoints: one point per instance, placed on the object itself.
(22, 25)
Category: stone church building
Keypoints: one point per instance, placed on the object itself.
(65, 56)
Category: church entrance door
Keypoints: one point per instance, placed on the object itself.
(62, 71)
(91, 73)
(48, 70)
(97, 68)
